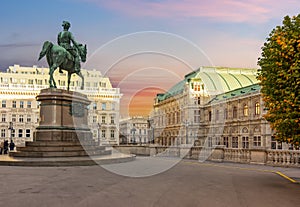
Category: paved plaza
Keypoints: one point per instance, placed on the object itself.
(188, 183)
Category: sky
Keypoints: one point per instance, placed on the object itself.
(143, 46)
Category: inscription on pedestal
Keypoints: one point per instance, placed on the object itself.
(77, 109)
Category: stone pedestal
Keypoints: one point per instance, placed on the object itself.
(63, 130)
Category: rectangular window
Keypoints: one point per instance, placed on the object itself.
(27, 132)
(21, 104)
(3, 103)
(217, 115)
(112, 133)
(196, 116)
(246, 110)
(225, 114)
(197, 100)
(256, 141)
(113, 106)
(13, 133)
(5, 80)
(95, 105)
(209, 116)
(257, 108)
(226, 143)
(235, 142)
(112, 119)
(30, 81)
(196, 87)
(103, 133)
(3, 118)
(234, 112)
(103, 119)
(3, 133)
(20, 133)
(103, 106)
(14, 118)
(103, 84)
(94, 119)
(21, 118)
(29, 104)
(273, 143)
(14, 104)
(28, 118)
(245, 142)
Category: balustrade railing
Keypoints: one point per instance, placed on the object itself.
(283, 157)
(237, 155)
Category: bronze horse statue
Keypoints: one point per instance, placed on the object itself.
(58, 56)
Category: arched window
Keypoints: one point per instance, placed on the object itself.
(246, 110)
(234, 112)
(257, 108)
(209, 116)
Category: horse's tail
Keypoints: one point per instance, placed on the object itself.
(46, 46)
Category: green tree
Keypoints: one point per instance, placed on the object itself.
(280, 79)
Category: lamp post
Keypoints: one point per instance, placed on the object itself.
(153, 141)
(11, 128)
(133, 133)
(186, 132)
(99, 127)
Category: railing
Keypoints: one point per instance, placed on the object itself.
(237, 155)
(219, 153)
(283, 158)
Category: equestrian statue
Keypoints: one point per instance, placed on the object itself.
(65, 56)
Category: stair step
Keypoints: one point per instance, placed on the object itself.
(59, 154)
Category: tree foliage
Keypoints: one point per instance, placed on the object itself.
(280, 79)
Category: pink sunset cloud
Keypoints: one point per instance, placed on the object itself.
(254, 11)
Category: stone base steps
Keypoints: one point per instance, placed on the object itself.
(41, 154)
(44, 149)
(65, 161)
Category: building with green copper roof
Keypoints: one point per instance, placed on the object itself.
(213, 106)
(214, 80)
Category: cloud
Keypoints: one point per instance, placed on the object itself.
(253, 11)
(17, 45)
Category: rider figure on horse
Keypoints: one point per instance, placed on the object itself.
(64, 40)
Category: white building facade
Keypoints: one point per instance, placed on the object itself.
(19, 110)
(134, 130)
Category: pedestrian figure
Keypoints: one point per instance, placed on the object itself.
(5, 147)
(11, 145)
(1, 147)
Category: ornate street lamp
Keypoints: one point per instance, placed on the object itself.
(186, 132)
(99, 127)
(11, 128)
